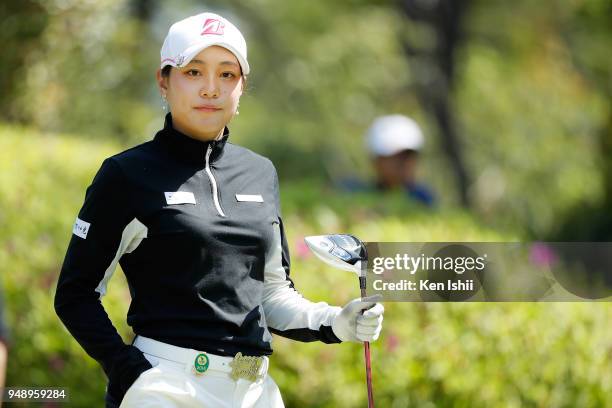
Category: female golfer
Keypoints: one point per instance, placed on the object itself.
(194, 221)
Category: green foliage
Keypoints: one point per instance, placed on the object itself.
(531, 93)
(83, 70)
(531, 122)
(23, 22)
(459, 355)
(42, 185)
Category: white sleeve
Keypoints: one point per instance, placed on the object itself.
(286, 311)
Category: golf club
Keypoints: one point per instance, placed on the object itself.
(346, 252)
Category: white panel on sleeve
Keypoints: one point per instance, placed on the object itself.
(131, 237)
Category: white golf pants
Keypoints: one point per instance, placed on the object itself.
(172, 382)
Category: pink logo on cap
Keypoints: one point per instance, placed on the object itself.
(213, 26)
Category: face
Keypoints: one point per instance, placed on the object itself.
(397, 170)
(203, 95)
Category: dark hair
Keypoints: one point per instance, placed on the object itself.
(166, 71)
(408, 153)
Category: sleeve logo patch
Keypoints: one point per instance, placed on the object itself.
(179, 197)
(254, 198)
(81, 228)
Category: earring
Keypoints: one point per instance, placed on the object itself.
(237, 111)
(164, 102)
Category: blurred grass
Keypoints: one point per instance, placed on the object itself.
(442, 355)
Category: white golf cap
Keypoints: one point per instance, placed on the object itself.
(392, 134)
(186, 38)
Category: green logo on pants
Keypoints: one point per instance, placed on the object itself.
(201, 363)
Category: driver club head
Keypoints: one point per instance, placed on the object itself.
(341, 251)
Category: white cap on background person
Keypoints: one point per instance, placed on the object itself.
(187, 37)
(391, 134)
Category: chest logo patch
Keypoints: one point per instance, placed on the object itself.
(81, 228)
(253, 198)
(179, 197)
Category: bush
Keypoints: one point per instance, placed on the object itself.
(430, 354)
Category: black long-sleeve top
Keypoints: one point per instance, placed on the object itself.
(197, 229)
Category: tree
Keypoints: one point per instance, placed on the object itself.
(435, 63)
(586, 31)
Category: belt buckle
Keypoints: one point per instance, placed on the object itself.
(246, 367)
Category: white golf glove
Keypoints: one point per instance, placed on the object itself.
(351, 325)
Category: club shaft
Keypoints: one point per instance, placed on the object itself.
(366, 346)
(366, 349)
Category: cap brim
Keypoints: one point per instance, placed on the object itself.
(194, 50)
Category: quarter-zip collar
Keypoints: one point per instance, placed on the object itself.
(187, 149)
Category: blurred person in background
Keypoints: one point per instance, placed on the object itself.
(195, 223)
(394, 143)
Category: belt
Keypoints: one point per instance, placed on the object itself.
(198, 362)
